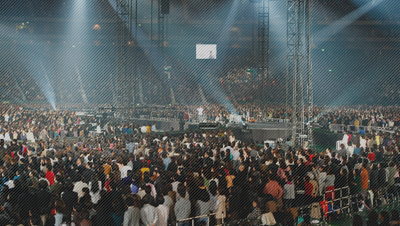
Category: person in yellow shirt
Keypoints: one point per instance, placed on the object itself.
(356, 122)
(107, 167)
(378, 140)
(148, 128)
(146, 165)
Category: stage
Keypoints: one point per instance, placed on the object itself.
(269, 131)
(256, 132)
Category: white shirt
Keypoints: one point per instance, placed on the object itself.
(350, 150)
(124, 171)
(10, 184)
(30, 137)
(235, 155)
(229, 148)
(321, 182)
(175, 186)
(95, 196)
(288, 191)
(143, 129)
(153, 128)
(7, 137)
(168, 201)
(6, 117)
(78, 188)
(363, 143)
(98, 129)
(148, 215)
(162, 212)
(345, 139)
(200, 111)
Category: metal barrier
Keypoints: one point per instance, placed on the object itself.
(341, 208)
(347, 203)
(384, 197)
(192, 219)
(356, 129)
(194, 118)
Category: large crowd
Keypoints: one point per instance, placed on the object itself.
(62, 169)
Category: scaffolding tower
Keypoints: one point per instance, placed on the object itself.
(123, 71)
(161, 29)
(299, 94)
(263, 37)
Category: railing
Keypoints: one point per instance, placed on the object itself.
(194, 119)
(386, 197)
(368, 200)
(192, 219)
(356, 129)
(341, 207)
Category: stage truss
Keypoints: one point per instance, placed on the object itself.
(299, 93)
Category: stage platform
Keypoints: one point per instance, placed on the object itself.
(269, 131)
(257, 132)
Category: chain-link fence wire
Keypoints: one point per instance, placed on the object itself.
(66, 54)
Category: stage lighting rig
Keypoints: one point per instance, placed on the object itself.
(23, 27)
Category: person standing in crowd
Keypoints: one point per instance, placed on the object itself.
(182, 206)
(132, 214)
(220, 206)
(255, 213)
(330, 184)
(162, 211)
(148, 213)
(364, 178)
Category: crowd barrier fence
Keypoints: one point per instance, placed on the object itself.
(348, 204)
(356, 129)
(193, 219)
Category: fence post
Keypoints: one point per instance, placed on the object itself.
(192, 221)
(349, 199)
(323, 217)
(341, 195)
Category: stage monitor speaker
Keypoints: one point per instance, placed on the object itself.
(193, 127)
(208, 125)
(165, 6)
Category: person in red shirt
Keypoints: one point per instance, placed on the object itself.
(308, 191)
(310, 155)
(371, 156)
(50, 174)
(273, 188)
(308, 186)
